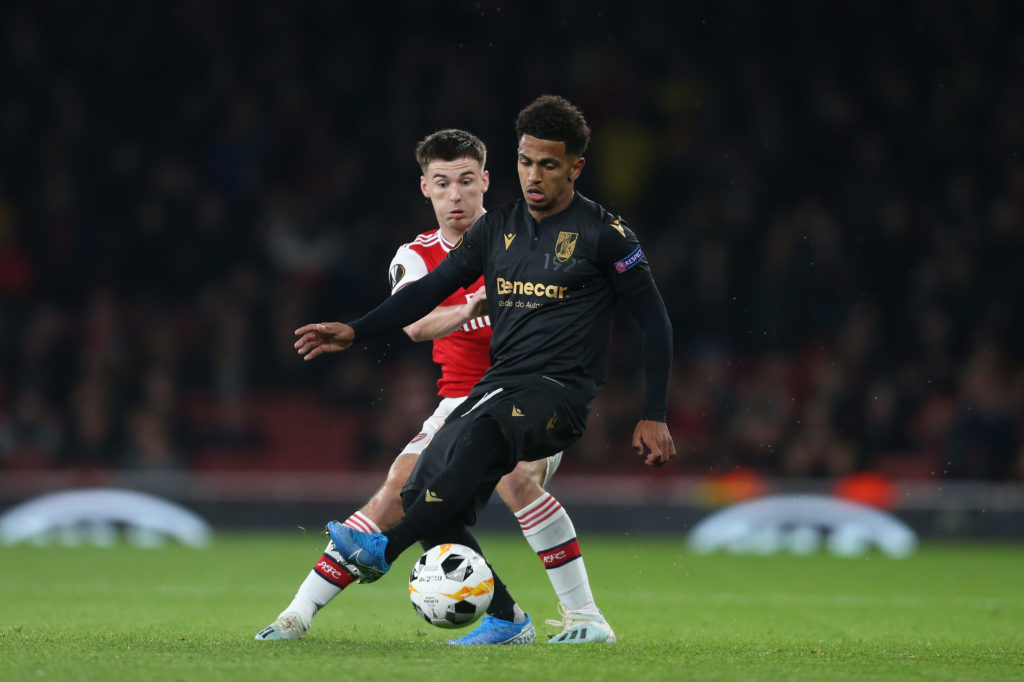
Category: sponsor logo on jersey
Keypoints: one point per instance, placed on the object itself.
(508, 239)
(516, 412)
(396, 274)
(418, 437)
(431, 496)
(506, 286)
(630, 260)
(565, 245)
(617, 225)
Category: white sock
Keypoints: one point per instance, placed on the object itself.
(550, 532)
(328, 577)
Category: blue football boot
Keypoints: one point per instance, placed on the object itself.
(497, 631)
(365, 551)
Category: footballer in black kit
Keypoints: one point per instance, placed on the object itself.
(552, 287)
(555, 265)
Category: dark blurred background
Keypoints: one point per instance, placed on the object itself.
(831, 197)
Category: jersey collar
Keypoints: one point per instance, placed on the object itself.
(445, 244)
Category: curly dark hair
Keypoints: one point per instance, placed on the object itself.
(448, 145)
(550, 117)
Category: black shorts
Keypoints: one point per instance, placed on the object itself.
(539, 417)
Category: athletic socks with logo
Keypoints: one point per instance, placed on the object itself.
(328, 577)
(546, 526)
(549, 530)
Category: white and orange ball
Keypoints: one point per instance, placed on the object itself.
(451, 586)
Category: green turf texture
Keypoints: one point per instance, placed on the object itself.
(950, 612)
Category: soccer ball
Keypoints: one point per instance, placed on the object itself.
(451, 586)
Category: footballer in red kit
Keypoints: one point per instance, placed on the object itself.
(464, 354)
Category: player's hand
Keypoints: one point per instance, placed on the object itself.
(475, 305)
(653, 439)
(323, 337)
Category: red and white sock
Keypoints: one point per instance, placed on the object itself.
(329, 576)
(550, 532)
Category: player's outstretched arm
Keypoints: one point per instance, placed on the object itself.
(402, 308)
(652, 438)
(410, 303)
(445, 319)
(323, 337)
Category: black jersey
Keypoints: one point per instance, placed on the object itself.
(551, 287)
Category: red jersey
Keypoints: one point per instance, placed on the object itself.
(464, 354)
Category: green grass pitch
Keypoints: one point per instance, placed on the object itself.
(950, 612)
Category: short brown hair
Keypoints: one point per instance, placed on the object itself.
(550, 117)
(448, 145)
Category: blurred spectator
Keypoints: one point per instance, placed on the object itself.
(985, 438)
(149, 443)
(30, 432)
(94, 415)
(16, 272)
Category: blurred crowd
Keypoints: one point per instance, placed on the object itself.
(831, 197)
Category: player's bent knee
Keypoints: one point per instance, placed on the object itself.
(401, 468)
(386, 504)
(531, 472)
(399, 473)
(522, 485)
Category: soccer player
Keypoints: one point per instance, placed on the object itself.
(455, 180)
(554, 264)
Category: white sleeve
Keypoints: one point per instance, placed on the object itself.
(407, 266)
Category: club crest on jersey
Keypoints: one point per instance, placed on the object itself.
(396, 274)
(565, 245)
(630, 260)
